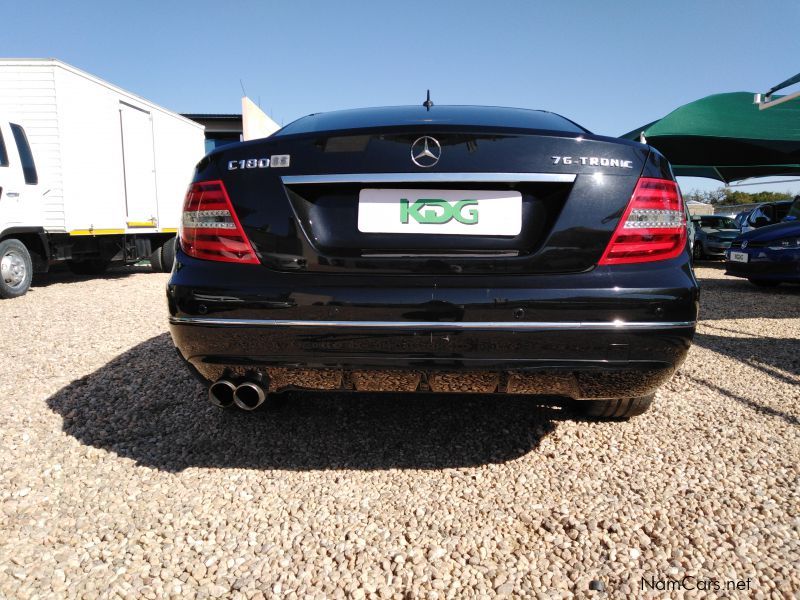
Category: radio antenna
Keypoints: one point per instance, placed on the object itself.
(427, 104)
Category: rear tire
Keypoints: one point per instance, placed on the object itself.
(615, 409)
(17, 269)
(156, 262)
(764, 282)
(168, 255)
(92, 266)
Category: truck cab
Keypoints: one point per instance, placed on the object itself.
(20, 189)
(20, 212)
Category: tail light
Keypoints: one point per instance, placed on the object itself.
(653, 226)
(210, 228)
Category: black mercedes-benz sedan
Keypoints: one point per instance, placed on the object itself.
(435, 249)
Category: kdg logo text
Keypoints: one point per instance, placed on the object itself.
(432, 211)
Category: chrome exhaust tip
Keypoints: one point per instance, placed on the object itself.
(221, 393)
(249, 396)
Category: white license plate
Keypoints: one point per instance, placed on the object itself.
(738, 256)
(443, 212)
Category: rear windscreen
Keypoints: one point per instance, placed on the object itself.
(718, 222)
(398, 116)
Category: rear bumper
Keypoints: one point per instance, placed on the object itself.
(762, 263)
(716, 248)
(582, 335)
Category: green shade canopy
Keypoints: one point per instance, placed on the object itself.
(727, 137)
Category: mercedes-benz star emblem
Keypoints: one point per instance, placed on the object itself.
(744, 244)
(425, 152)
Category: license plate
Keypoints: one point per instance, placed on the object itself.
(443, 212)
(738, 256)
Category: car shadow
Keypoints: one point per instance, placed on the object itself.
(757, 352)
(740, 299)
(62, 274)
(752, 404)
(146, 406)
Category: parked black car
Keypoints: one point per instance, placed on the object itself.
(713, 235)
(446, 248)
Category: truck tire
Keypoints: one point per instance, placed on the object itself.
(615, 409)
(156, 262)
(92, 266)
(168, 254)
(16, 269)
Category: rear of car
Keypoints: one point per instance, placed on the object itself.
(457, 249)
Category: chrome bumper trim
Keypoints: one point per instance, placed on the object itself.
(441, 325)
(429, 178)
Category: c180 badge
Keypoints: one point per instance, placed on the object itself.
(275, 161)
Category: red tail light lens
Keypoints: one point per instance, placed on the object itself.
(653, 226)
(210, 228)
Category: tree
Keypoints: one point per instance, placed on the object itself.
(724, 196)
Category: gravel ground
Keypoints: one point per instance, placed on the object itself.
(119, 479)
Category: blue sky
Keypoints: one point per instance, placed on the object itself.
(610, 66)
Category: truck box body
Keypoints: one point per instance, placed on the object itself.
(109, 162)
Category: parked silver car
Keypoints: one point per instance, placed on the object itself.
(713, 235)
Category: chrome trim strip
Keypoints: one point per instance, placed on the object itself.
(429, 178)
(423, 255)
(440, 325)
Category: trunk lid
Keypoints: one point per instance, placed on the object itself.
(570, 190)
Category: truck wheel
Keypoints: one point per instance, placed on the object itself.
(16, 269)
(92, 266)
(156, 262)
(615, 409)
(168, 254)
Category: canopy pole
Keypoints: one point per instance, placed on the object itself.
(761, 182)
(783, 84)
(765, 104)
(766, 101)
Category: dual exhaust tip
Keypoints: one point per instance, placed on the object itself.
(248, 395)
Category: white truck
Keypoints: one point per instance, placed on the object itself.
(89, 174)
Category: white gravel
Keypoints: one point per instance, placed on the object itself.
(117, 478)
